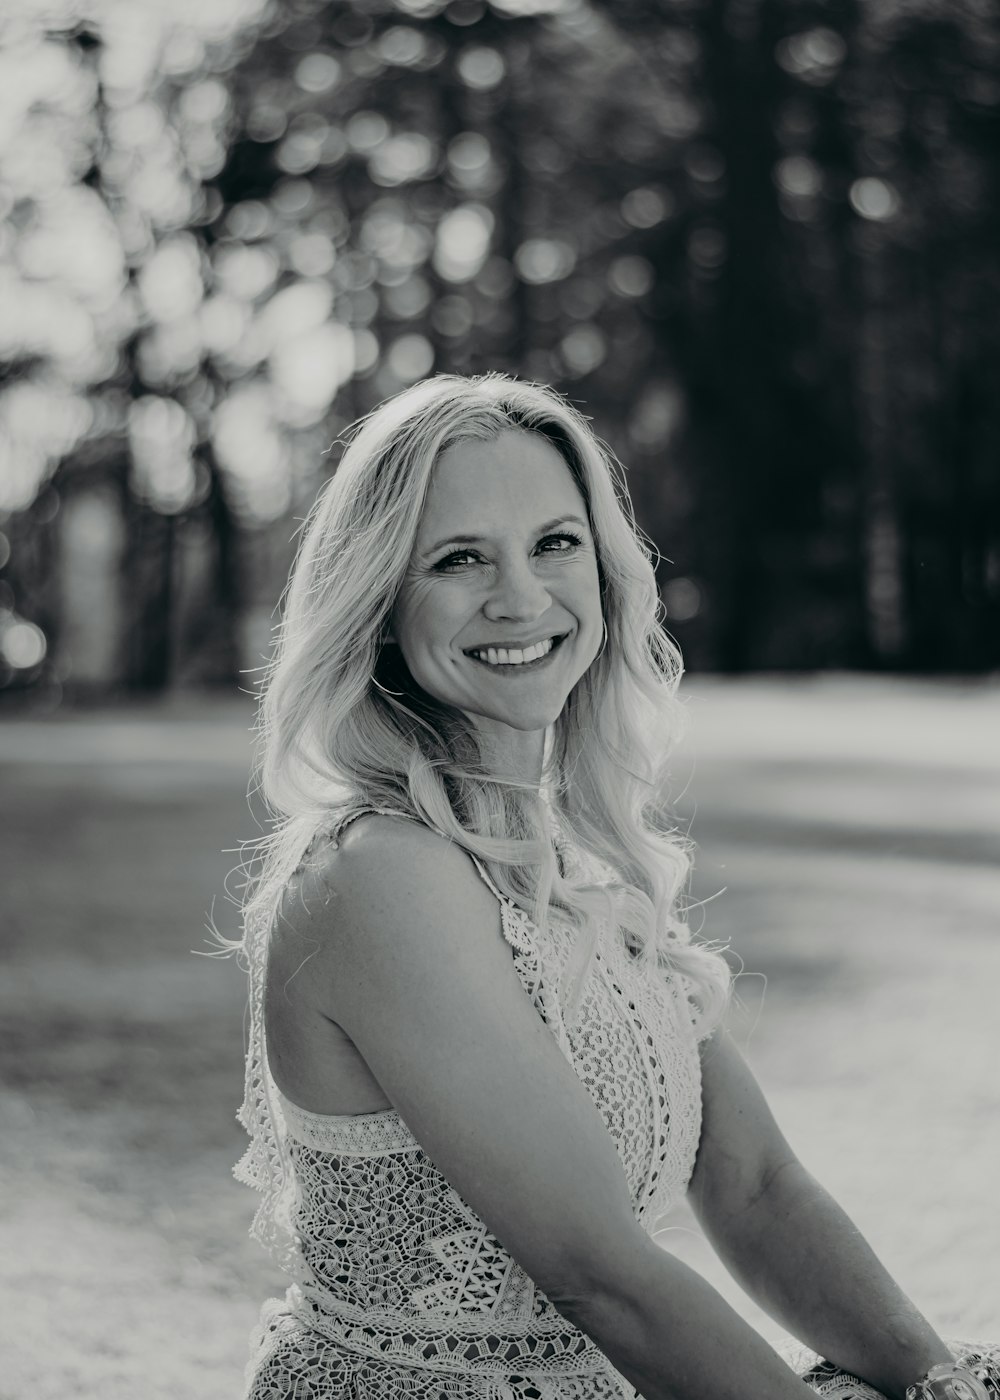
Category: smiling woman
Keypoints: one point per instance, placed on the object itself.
(520, 604)
(485, 1052)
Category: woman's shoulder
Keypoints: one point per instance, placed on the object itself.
(384, 844)
(358, 833)
(381, 828)
(382, 861)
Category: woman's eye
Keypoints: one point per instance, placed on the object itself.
(566, 539)
(453, 561)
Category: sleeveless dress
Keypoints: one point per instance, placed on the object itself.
(399, 1291)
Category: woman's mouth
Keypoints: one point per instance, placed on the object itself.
(509, 661)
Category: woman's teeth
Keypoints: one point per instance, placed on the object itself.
(500, 656)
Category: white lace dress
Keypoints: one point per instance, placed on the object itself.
(399, 1290)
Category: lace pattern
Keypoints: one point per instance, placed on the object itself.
(355, 1135)
(399, 1289)
(829, 1381)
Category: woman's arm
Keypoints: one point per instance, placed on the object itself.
(411, 962)
(789, 1244)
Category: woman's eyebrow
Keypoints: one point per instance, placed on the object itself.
(479, 539)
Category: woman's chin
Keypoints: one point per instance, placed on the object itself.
(525, 718)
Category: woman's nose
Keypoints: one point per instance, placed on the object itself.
(518, 593)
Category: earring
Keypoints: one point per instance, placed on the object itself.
(397, 694)
(604, 628)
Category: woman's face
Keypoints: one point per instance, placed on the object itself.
(503, 562)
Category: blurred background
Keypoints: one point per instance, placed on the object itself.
(758, 242)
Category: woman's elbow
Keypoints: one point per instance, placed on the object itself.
(593, 1280)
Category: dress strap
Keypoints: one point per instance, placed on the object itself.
(518, 930)
(345, 821)
(521, 934)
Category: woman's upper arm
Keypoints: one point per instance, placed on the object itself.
(413, 966)
(741, 1148)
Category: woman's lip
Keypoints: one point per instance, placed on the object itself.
(554, 637)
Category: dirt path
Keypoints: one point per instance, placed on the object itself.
(854, 826)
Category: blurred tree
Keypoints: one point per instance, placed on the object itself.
(96, 185)
(831, 334)
(757, 241)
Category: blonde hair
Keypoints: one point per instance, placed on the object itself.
(332, 741)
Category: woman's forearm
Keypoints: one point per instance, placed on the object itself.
(675, 1338)
(803, 1260)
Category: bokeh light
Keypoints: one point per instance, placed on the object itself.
(647, 206)
(631, 276)
(256, 457)
(814, 55)
(463, 242)
(583, 349)
(874, 199)
(22, 644)
(682, 599)
(541, 260)
(411, 357)
(317, 72)
(162, 437)
(481, 68)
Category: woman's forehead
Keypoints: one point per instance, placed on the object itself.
(516, 474)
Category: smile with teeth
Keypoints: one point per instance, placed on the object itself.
(502, 656)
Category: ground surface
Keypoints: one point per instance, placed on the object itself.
(854, 826)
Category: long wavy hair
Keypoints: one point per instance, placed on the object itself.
(330, 740)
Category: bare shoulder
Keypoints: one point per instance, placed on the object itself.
(389, 883)
(378, 840)
(381, 857)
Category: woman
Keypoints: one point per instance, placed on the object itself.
(486, 1056)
